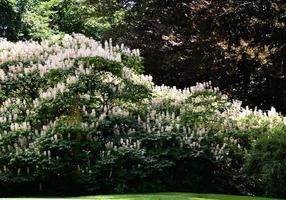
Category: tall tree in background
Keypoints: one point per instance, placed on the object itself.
(238, 45)
(9, 20)
(249, 38)
(43, 18)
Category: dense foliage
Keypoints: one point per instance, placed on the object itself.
(10, 20)
(40, 19)
(268, 160)
(78, 117)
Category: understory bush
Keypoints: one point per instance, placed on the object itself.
(78, 117)
(266, 162)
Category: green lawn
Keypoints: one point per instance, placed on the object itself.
(173, 196)
(160, 196)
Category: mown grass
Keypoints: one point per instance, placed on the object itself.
(174, 196)
(159, 196)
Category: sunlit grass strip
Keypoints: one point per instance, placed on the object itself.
(174, 196)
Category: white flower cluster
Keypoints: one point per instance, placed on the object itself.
(145, 80)
(247, 119)
(22, 51)
(22, 126)
(50, 55)
(2, 75)
(177, 97)
(60, 88)
(109, 78)
(123, 49)
(71, 47)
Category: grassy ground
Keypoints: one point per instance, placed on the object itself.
(161, 196)
(174, 196)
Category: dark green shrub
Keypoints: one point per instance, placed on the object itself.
(266, 162)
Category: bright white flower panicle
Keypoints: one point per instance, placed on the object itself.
(137, 79)
(178, 96)
(75, 46)
(23, 126)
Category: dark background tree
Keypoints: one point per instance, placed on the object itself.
(9, 20)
